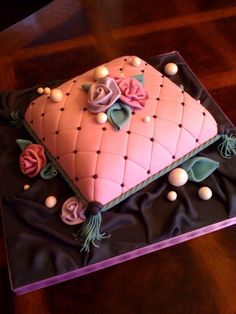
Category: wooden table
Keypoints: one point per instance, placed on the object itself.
(70, 36)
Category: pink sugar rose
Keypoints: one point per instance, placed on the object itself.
(32, 160)
(132, 92)
(72, 212)
(102, 95)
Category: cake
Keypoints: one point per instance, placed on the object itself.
(46, 213)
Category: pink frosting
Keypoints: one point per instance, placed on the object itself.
(32, 160)
(73, 211)
(102, 95)
(132, 92)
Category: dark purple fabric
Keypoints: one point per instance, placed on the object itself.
(40, 245)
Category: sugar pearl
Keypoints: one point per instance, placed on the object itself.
(26, 187)
(47, 90)
(40, 90)
(50, 201)
(172, 196)
(100, 72)
(178, 177)
(135, 61)
(56, 95)
(101, 118)
(147, 119)
(205, 193)
(171, 69)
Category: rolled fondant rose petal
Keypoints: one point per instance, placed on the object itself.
(32, 160)
(102, 95)
(132, 92)
(72, 212)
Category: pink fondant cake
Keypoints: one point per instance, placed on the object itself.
(104, 163)
(111, 136)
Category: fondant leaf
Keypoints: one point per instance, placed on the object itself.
(139, 78)
(48, 172)
(23, 143)
(118, 115)
(199, 168)
(86, 86)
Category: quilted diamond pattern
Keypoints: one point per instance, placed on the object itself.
(103, 163)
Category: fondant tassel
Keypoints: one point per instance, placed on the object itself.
(227, 148)
(90, 232)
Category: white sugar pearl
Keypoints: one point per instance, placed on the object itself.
(50, 201)
(135, 61)
(47, 90)
(147, 119)
(171, 69)
(205, 193)
(172, 196)
(101, 118)
(100, 72)
(56, 95)
(26, 187)
(40, 90)
(178, 177)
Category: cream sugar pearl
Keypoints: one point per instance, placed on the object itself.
(172, 196)
(56, 95)
(101, 118)
(171, 69)
(26, 187)
(47, 90)
(135, 61)
(205, 193)
(147, 119)
(40, 90)
(178, 177)
(100, 72)
(50, 201)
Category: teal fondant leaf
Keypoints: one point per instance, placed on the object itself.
(199, 168)
(86, 86)
(48, 172)
(23, 143)
(139, 78)
(118, 115)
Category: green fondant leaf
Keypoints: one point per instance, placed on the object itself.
(48, 172)
(23, 143)
(118, 115)
(139, 78)
(86, 86)
(199, 168)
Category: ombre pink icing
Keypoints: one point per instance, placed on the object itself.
(102, 95)
(132, 92)
(72, 212)
(32, 160)
(103, 163)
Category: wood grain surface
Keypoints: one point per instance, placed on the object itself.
(68, 37)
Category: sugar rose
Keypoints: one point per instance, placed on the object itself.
(102, 95)
(32, 160)
(132, 92)
(72, 212)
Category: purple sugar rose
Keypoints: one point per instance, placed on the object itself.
(102, 95)
(72, 212)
